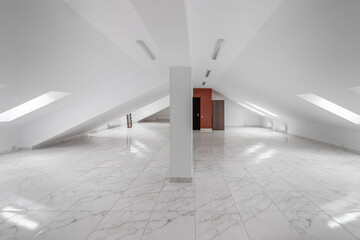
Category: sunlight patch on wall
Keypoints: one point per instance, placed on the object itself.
(262, 109)
(331, 107)
(252, 109)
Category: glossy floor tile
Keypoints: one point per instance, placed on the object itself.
(127, 225)
(249, 183)
(220, 225)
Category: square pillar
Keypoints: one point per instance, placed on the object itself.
(181, 165)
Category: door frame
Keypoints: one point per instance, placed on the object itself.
(199, 117)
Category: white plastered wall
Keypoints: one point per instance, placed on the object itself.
(333, 135)
(235, 114)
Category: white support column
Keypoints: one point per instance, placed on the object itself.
(181, 92)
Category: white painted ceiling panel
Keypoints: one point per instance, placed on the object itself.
(118, 21)
(305, 47)
(46, 46)
(166, 21)
(235, 21)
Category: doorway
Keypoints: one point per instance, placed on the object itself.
(218, 114)
(196, 113)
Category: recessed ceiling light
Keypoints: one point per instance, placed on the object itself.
(207, 73)
(252, 109)
(217, 48)
(331, 107)
(262, 109)
(146, 49)
(31, 106)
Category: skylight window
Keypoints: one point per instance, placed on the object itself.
(252, 109)
(331, 107)
(31, 106)
(262, 109)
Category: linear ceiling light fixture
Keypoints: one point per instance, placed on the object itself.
(262, 109)
(252, 109)
(331, 107)
(207, 73)
(203, 83)
(146, 49)
(217, 48)
(31, 106)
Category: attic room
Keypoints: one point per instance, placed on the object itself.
(180, 119)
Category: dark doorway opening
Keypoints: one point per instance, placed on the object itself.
(196, 113)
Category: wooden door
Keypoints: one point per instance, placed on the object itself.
(218, 115)
(196, 113)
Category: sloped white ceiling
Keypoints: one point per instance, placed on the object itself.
(46, 46)
(167, 23)
(305, 47)
(87, 121)
(273, 50)
(235, 21)
(120, 23)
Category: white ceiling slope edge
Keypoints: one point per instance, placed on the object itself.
(104, 108)
(305, 47)
(151, 109)
(138, 105)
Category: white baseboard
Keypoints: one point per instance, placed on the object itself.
(58, 141)
(15, 149)
(243, 126)
(325, 143)
(314, 140)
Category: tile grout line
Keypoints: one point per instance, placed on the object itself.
(242, 221)
(151, 212)
(108, 211)
(323, 211)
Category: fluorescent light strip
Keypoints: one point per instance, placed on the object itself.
(262, 109)
(217, 48)
(331, 107)
(31, 106)
(207, 73)
(146, 49)
(252, 109)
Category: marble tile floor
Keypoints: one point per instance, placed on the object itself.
(250, 183)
